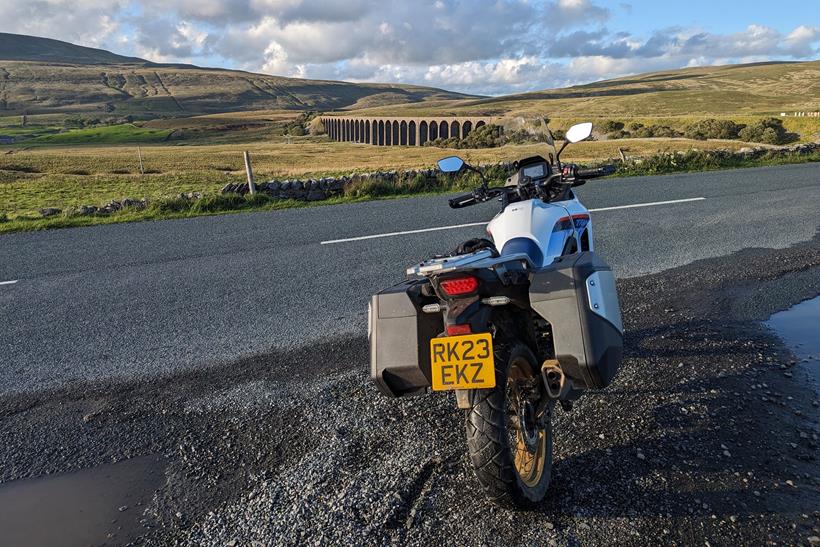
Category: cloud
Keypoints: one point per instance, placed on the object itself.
(85, 22)
(565, 14)
(801, 41)
(480, 46)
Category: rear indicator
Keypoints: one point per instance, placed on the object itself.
(458, 330)
(459, 285)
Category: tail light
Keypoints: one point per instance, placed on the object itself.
(458, 330)
(457, 286)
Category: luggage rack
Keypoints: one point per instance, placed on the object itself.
(471, 261)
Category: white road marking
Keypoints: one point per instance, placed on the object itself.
(456, 226)
(12, 282)
(687, 200)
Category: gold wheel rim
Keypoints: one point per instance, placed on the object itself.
(528, 463)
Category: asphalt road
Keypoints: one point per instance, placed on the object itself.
(142, 299)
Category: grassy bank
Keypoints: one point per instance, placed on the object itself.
(214, 203)
(63, 177)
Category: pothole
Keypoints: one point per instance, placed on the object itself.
(799, 328)
(101, 505)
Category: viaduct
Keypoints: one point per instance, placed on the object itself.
(397, 131)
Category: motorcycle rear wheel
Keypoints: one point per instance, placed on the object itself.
(510, 450)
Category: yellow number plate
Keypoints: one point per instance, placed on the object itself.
(462, 362)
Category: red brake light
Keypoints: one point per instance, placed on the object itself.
(457, 330)
(459, 285)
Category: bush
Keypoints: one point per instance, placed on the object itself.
(619, 134)
(301, 125)
(767, 131)
(486, 136)
(316, 127)
(712, 129)
(653, 131)
(634, 126)
(611, 126)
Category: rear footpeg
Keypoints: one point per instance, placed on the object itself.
(554, 380)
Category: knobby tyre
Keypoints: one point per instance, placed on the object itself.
(510, 450)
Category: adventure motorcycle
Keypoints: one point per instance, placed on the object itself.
(513, 325)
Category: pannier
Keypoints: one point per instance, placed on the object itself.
(576, 295)
(400, 334)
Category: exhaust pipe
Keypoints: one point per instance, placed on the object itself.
(554, 380)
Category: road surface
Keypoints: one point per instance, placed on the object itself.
(141, 299)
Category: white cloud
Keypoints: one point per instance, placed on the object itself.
(801, 41)
(481, 46)
(85, 22)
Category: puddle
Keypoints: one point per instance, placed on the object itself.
(799, 328)
(80, 508)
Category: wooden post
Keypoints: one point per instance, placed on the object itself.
(623, 156)
(249, 172)
(139, 154)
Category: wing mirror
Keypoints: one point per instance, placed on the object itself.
(452, 164)
(579, 132)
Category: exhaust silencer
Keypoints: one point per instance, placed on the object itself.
(554, 380)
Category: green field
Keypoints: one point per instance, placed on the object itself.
(114, 134)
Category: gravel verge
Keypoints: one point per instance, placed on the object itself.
(708, 434)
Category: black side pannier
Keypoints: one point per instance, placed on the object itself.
(576, 295)
(400, 333)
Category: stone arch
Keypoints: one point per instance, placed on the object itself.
(466, 127)
(381, 133)
(395, 133)
(356, 132)
(455, 129)
(444, 130)
(347, 131)
(411, 136)
(403, 133)
(367, 132)
(479, 124)
(423, 134)
(362, 132)
(374, 135)
(433, 131)
(388, 133)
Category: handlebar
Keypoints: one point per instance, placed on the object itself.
(463, 201)
(481, 195)
(595, 172)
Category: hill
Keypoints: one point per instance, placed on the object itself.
(732, 90)
(42, 76)
(19, 47)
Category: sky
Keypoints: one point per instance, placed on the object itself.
(487, 47)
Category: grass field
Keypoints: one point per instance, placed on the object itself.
(113, 134)
(70, 176)
(732, 91)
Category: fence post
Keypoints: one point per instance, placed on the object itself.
(139, 154)
(249, 172)
(623, 156)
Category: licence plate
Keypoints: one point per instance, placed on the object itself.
(462, 362)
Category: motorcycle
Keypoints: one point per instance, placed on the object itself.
(514, 325)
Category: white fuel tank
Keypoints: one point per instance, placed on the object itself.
(532, 226)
